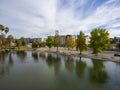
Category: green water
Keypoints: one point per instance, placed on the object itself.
(30, 70)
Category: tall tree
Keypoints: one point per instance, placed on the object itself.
(57, 41)
(23, 41)
(35, 44)
(70, 42)
(2, 41)
(10, 40)
(6, 30)
(118, 46)
(99, 40)
(18, 43)
(2, 35)
(50, 41)
(81, 42)
(1, 28)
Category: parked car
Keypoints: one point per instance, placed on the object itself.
(117, 54)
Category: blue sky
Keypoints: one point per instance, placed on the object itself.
(39, 18)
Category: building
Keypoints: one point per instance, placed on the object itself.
(65, 37)
(87, 39)
(30, 40)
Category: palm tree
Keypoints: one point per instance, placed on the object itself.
(1, 36)
(6, 30)
(1, 28)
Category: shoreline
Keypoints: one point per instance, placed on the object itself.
(105, 56)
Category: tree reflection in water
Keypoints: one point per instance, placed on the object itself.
(42, 55)
(5, 64)
(69, 63)
(80, 68)
(97, 73)
(21, 55)
(35, 56)
(54, 61)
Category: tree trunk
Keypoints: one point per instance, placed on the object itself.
(57, 48)
(80, 53)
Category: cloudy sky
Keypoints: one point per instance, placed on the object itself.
(39, 18)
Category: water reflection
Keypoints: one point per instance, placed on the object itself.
(97, 73)
(21, 55)
(35, 56)
(5, 64)
(69, 63)
(10, 59)
(42, 55)
(2, 56)
(54, 61)
(80, 68)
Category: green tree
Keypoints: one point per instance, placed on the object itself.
(6, 30)
(2, 41)
(18, 43)
(42, 44)
(50, 41)
(118, 46)
(70, 42)
(10, 40)
(2, 35)
(35, 44)
(99, 40)
(1, 28)
(81, 42)
(23, 41)
(57, 41)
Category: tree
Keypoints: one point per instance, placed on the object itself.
(57, 41)
(70, 42)
(6, 30)
(2, 41)
(10, 40)
(23, 41)
(2, 35)
(35, 44)
(42, 44)
(99, 40)
(81, 42)
(18, 43)
(50, 41)
(1, 28)
(118, 46)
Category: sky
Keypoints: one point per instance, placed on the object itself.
(40, 18)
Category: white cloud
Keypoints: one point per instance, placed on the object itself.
(41, 17)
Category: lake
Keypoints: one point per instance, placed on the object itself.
(33, 70)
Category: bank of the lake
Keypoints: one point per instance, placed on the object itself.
(106, 55)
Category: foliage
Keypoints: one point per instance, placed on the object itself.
(99, 40)
(10, 40)
(57, 41)
(23, 41)
(70, 42)
(118, 46)
(18, 43)
(2, 41)
(4, 30)
(50, 41)
(81, 42)
(35, 44)
(42, 44)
